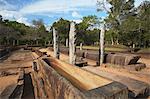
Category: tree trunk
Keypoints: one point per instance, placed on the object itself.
(56, 44)
(81, 45)
(112, 41)
(37, 42)
(45, 43)
(49, 42)
(8, 42)
(117, 41)
(72, 44)
(102, 44)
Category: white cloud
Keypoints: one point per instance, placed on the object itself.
(57, 6)
(48, 27)
(9, 14)
(14, 15)
(7, 11)
(78, 21)
(76, 14)
(138, 2)
(49, 8)
(23, 20)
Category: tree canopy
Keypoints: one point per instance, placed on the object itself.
(126, 24)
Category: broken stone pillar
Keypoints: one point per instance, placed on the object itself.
(102, 44)
(81, 45)
(55, 45)
(72, 44)
(67, 42)
(133, 46)
(14, 42)
(17, 42)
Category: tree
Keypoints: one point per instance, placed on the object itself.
(38, 23)
(130, 32)
(40, 33)
(63, 27)
(87, 30)
(12, 31)
(135, 29)
(1, 18)
(144, 12)
(119, 11)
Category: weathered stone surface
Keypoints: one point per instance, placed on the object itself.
(62, 88)
(136, 67)
(39, 53)
(135, 87)
(122, 59)
(3, 52)
(72, 44)
(56, 43)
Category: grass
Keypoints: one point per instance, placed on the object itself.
(144, 50)
(107, 48)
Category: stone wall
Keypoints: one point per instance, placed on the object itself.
(61, 88)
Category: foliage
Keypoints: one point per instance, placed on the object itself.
(12, 30)
(87, 32)
(63, 27)
(127, 24)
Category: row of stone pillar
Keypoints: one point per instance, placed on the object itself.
(72, 44)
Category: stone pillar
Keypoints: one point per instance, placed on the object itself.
(17, 42)
(55, 44)
(72, 44)
(67, 42)
(14, 41)
(102, 44)
(81, 46)
(133, 46)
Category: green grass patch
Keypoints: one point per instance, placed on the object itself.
(107, 49)
(144, 50)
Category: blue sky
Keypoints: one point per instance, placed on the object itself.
(24, 11)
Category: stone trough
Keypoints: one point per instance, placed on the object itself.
(70, 87)
(59, 80)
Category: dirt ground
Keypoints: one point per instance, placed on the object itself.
(9, 70)
(7, 81)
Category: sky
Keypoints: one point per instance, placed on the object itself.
(24, 11)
